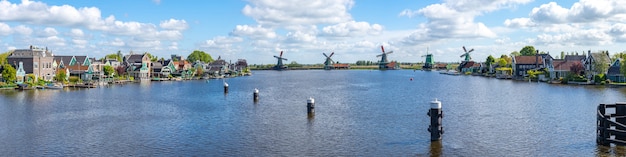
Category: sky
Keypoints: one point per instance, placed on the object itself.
(256, 30)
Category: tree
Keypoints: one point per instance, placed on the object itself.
(199, 55)
(515, 53)
(108, 70)
(8, 74)
(506, 58)
(153, 58)
(577, 68)
(490, 60)
(528, 51)
(502, 62)
(120, 55)
(60, 76)
(600, 66)
(199, 71)
(562, 54)
(121, 70)
(3, 57)
(294, 64)
(114, 56)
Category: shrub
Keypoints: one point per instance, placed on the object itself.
(599, 78)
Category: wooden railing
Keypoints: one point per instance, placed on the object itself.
(611, 128)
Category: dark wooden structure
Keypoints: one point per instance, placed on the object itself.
(611, 128)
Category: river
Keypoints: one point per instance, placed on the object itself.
(358, 113)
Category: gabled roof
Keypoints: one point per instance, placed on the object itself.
(528, 60)
(63, 59)
(575, 57)
(602, 57)
(81, 59)
(564, 65)
(134, 58)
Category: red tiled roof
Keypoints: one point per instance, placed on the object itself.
(528, 60)
(564, 65)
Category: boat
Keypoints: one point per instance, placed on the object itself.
(54, 87)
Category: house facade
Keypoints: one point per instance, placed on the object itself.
(36, 61)
(521, 64)
(138, 66)
(593, 60)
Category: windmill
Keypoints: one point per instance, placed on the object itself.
(383, 59)
(328, 64)
(428, 65)
(467, 54)
(280, 65)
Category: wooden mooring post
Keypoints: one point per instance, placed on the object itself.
(608, 130)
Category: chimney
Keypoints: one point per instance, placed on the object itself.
(537, 59)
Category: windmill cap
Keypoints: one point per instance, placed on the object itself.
(436, 104)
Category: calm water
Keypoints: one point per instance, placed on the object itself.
(358, 113)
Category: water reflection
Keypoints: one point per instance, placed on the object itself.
(361, 113)
(435, 148)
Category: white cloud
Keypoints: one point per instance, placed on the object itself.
(352, 29)
(173, 24)
(455, 19)
(257, 32)
(117, 42)
(23, 30)
(518, 22)
(5, 29)
(76, 33)
(220, 42)
(300, 37)
(157, 1)
(47, 32)
(297, 12)
(586, 22)
(173, 46)
(583, 37)
(88, 17)
(79, 43)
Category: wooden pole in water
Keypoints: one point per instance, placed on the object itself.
(255, 95)
(436, 114)
(225, 87)
(310, 105)
(601, 126)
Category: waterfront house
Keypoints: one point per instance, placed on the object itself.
(469, 66)
(521, 64)
(441, 66)
(162, 68)
(614, 74)
(593, 60)
(562, 68)
(75, 66)
(218, 67)
(112, 62)
(36, 61)
(138, 66)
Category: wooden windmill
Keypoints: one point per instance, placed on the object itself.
(328, 64)
(429, 63)
(280, 65)
(383, 59)
(467, 54)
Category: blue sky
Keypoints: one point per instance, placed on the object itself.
(256, 30)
